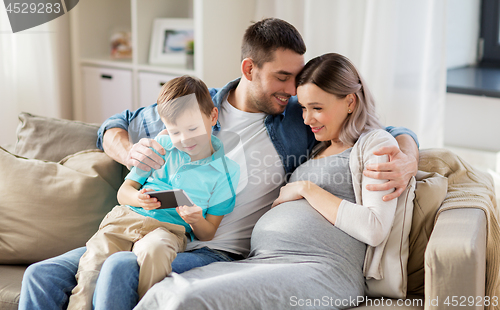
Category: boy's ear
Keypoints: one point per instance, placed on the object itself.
(247, 66)
(214, 116)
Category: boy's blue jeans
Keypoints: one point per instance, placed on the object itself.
(48, 284)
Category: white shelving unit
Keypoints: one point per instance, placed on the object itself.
(218, 29)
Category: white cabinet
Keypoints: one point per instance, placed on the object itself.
(150, 85)
(219, 26)
(106, 92)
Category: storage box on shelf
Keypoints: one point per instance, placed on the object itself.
(150, 85)
(106, 92)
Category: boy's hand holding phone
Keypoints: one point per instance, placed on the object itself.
(147, 202)
(190, 215)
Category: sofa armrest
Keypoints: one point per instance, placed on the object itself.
(455, 260)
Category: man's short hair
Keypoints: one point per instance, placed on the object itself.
(264, 37)
(174, 97)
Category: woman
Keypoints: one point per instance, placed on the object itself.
(309, 250)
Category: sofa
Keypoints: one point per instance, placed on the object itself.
(56, 187)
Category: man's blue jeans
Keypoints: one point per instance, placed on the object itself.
(48, 284)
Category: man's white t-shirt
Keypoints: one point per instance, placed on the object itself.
(247, 142)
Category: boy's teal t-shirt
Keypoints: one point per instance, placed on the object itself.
(210, 182)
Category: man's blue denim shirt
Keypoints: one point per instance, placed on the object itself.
(292, 139)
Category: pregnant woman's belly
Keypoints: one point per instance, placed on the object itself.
(295, 232)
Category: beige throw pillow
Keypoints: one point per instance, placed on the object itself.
(53, 139)
(49, 208)
(429, 195)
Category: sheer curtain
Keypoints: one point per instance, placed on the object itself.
(398, 46)
(35, 73)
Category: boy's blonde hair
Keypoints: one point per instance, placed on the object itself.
(174, 98)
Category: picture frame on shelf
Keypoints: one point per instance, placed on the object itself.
(171, 39)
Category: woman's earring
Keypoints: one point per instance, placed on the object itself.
(349, 111)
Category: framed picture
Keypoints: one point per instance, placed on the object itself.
(171, 40)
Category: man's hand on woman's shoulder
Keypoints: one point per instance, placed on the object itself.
(399, 170)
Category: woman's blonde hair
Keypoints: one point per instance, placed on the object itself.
(335, 74)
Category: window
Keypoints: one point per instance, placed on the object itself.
(490, 33)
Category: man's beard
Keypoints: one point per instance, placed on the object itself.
(265, 105)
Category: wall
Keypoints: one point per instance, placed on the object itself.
(8, 117)
(35, 73)
(472, 122)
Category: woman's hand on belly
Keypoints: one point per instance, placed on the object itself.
(292, 191)
(324, 202)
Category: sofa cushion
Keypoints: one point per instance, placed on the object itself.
(49, 208)
(10, 286)
(53, 139)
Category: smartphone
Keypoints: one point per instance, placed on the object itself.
(171, 198)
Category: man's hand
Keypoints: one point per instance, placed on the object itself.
(143, 157)
(117, 145)
(400, 168)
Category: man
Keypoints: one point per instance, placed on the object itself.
(259, 109)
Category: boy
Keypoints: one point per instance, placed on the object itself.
(194, 162)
